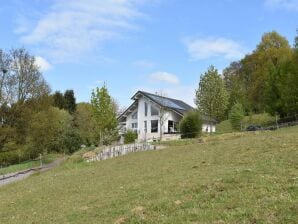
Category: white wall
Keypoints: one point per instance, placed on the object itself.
(130, 120)
(208, 127)
(142, 135)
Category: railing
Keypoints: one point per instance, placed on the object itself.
(120, 150)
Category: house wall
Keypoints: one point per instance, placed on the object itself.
(130, 120)
(208, 128)
(142, 134)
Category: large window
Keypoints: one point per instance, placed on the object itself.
(146, 109)
(154, 126)
(134, 115)
(154, 111)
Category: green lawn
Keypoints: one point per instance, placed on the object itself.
(29, 164)
(230, 178)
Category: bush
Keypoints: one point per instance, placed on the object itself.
(236, 116)
(130, 136)
(191, 125)
(263, 119)
(72, 141)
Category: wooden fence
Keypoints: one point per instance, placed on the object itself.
(120, 150)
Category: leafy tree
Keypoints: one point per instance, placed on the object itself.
(85, 123)
(69, 101)
(236, 116)
(104, 115)
(212, 96)
(235, 85)
(191, 125)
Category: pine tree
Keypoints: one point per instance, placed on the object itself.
(69, 101)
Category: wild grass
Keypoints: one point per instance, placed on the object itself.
(232, 178)
(29, 164)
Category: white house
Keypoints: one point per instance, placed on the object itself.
(150, 115)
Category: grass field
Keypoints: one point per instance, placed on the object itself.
(263, 119)
(29, 164)
(230, 178)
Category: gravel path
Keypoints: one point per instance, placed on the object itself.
(13, 177)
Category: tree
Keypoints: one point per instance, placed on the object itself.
(5, 76)
(27, 81)
(236, 116)
(162, 113)
(191, 125)
(212, 96)
(104, 114)
(58, 100)
(69, 101)
(234, 85)
(85, 123)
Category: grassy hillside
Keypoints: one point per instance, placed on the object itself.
(263, 119)
(232, 178)
(29, 164)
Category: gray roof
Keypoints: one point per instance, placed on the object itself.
(170, 103)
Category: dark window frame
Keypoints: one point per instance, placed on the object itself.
(154, 126)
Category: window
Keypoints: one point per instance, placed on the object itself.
(134, 115)
(146, 109)
(172, 126)
(154, 111)
(145, 126)
(154, 126)
(134, 125)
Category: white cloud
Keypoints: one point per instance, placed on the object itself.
(42, 63)
(204, 48)
(143, 63)
(164, 77)
(291, 5)
(72, 27)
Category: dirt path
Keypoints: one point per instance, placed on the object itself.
(13, 177)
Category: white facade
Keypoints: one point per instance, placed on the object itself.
(208, 128)
(148, 119)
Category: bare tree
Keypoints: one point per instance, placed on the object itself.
(4, 75)
(27, 81)
(162, 115)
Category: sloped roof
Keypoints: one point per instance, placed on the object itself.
(177, 105)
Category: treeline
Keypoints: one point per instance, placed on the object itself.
(267, 79)
(33, 121)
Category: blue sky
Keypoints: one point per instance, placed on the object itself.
(152, 45)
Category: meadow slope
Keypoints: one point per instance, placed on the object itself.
(230, 178)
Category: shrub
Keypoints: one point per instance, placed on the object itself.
(236, 116)
(191, 125)
(130, 136)
(72, 141)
